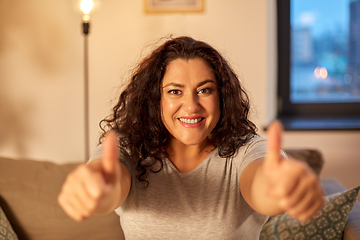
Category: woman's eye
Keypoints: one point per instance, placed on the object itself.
(205, 90)
(174, 92)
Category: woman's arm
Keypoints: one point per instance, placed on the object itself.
(98, 187)
(274, 185)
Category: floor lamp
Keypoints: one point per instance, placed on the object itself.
(86, 26)
(86, 6)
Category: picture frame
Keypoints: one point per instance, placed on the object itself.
(173, 6)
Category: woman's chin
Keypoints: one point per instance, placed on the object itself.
(192, 141)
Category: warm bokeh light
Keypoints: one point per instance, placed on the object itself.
(323, 72)
(86, 6)
(317, 72)
(320, 72)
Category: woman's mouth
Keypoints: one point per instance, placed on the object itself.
(190, 121)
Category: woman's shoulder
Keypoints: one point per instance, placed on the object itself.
(256, 138)
(255, 147)
(254, 142)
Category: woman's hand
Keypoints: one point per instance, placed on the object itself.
(95, 188)
(293, 185)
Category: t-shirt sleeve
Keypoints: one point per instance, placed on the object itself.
(97, 153)
(254, 149)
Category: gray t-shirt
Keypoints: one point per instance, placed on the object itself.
(205, 203)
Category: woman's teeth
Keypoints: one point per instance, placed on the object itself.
(186, 120)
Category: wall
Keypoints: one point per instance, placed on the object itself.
(41, 71)
(40, 80)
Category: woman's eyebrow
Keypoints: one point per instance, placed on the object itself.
(174, 85)
(182, 86)
(205, 82)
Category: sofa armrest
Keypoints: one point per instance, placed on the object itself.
(28, 196)
(352, 226)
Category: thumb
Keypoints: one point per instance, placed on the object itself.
(274, 142)
(110, 153)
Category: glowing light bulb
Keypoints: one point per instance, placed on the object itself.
(86, 6)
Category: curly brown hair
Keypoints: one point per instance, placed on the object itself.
(137, 115)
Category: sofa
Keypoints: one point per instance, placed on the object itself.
(29, 209)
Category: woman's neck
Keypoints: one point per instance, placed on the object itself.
(187, 157)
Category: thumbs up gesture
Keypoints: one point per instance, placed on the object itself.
(293, 185)
(95, 188)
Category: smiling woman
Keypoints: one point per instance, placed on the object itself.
(190, 165)
(185, 79)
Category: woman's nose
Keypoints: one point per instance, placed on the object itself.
(191, 103)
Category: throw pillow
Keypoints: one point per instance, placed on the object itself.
(6, 231)
(327, 224)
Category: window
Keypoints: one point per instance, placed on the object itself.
(319, 64)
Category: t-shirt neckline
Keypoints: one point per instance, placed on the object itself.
(197, 167)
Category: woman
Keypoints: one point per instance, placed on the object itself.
(190, 163)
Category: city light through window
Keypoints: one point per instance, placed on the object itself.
(325, 51)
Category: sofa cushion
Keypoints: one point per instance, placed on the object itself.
(29, 191)
(6, 231)
(352, 227)
(329, 223)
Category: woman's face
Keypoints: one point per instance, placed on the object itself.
(190, 101)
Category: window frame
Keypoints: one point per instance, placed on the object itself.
(287, 111)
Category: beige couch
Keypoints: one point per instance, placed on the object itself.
(29, 189)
